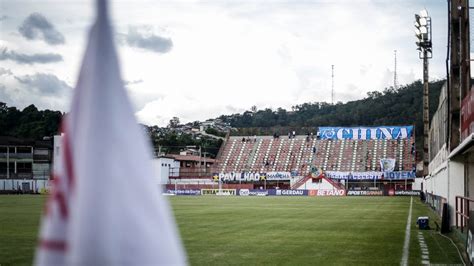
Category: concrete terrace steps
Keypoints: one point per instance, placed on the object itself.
(296, 154)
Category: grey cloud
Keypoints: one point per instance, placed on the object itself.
(20, 58)
(233, 109)
(23, 96)
(4, 95)
(140, 98)
(150, 42)
(5, 71)
(46, 84)
(36, 26)
(4, 17)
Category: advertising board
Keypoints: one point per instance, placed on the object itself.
(253, 192)
(407, 193)
(184, 192)
(291, 192)
(365, 193)
(206, 191)
(326, 192)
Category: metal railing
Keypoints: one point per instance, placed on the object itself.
(191, 172)
(462, 211)
(17, 155)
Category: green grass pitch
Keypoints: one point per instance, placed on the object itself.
(266, 230)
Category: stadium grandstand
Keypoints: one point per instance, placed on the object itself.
(380, 158)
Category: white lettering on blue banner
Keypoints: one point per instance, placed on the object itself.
(396, 175)
(354, 175)
(396, 132)
(253, 177)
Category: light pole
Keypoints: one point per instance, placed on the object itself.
(423, 34)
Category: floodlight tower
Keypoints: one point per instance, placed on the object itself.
(423, 34)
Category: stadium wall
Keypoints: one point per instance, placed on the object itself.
(446, 176)
(323, 185)
(24, 185)
(446, 181)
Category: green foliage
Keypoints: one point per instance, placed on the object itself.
(29, 123)
(215, 132)
(174, 142)
(402, 106)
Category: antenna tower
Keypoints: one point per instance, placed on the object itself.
(332, 84)
(395, 77)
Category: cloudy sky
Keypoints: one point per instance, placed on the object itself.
(200, 59)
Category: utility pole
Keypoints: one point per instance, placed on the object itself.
(200, 160)
(8, 162)
(426, 114)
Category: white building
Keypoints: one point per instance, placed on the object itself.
(162, 167)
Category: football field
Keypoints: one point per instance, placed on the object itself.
(269, 230)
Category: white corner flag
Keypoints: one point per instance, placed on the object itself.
(105, 208)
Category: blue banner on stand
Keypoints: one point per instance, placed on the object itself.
(396, 132)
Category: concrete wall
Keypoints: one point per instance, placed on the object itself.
(456, 186)
(15, 184)
(323, 185)
(417, 184)
(447, 182)
(437, 183)
(469, 174)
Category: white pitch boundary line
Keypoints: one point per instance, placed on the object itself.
(425, 254)
(406, 244)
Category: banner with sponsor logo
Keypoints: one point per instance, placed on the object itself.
(384, 132)
(291, 192)
(206, 191)
(326, 192)
(253, 192)
(278, 175)
(407, 193)
(251, 177)
(365, 193)
(187, 192)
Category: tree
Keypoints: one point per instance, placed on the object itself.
(253, 109)
(174, 122)
(28, 123)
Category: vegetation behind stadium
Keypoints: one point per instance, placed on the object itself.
(401, 106)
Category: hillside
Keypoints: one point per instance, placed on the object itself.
(402, 106)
